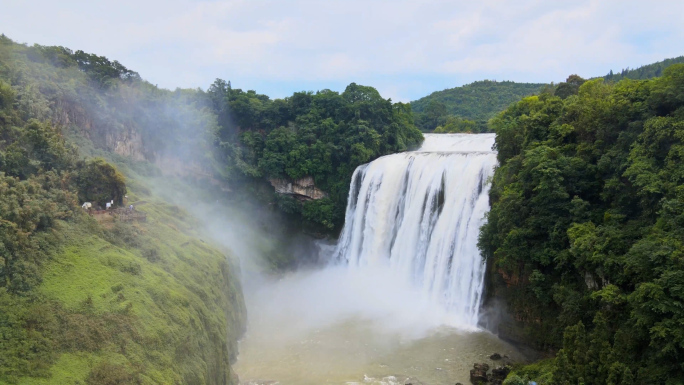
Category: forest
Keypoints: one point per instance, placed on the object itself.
(585, 235)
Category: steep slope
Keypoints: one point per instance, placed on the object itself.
(101, 299)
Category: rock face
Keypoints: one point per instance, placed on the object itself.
(478, 375)
(303, 189)
(126, 142)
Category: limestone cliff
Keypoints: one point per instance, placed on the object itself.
(303, 188)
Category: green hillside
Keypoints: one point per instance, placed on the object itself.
(101, 299)
(478, 102)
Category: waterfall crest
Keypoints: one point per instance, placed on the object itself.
(419, 213)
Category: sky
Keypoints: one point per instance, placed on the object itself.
(405, 49)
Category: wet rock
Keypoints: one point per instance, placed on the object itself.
(495, 356)
(499, 374)
(478, 375)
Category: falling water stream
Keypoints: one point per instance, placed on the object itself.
(400, 299)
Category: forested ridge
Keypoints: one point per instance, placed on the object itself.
(468, 108)
(644, 72)
(585, 237)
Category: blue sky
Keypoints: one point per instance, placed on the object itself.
(406, 49)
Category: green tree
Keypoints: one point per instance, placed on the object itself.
(100, 182)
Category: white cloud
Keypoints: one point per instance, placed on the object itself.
(406, 48)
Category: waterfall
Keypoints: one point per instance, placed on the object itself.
(418, 214)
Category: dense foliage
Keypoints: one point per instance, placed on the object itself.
(585, 238)
(644, 72)
(478, 102)
(325, 135)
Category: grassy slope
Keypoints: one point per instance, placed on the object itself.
(185, 306)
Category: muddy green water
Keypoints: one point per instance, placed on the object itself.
(327, 328)
(355, 352)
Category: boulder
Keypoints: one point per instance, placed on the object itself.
(499, 374)
(478, 375)
(495, 356)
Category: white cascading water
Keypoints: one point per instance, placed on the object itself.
(418, 214)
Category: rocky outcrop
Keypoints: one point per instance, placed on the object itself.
(478, 375)
(303, 189)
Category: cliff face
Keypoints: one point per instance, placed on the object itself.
(122, 139)
(126, 142)
(303, 189)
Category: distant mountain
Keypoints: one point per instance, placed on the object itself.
(477, 101)
(644, 72)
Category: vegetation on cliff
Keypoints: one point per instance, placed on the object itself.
(325, 135)
(585, 234)
(90, 299)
